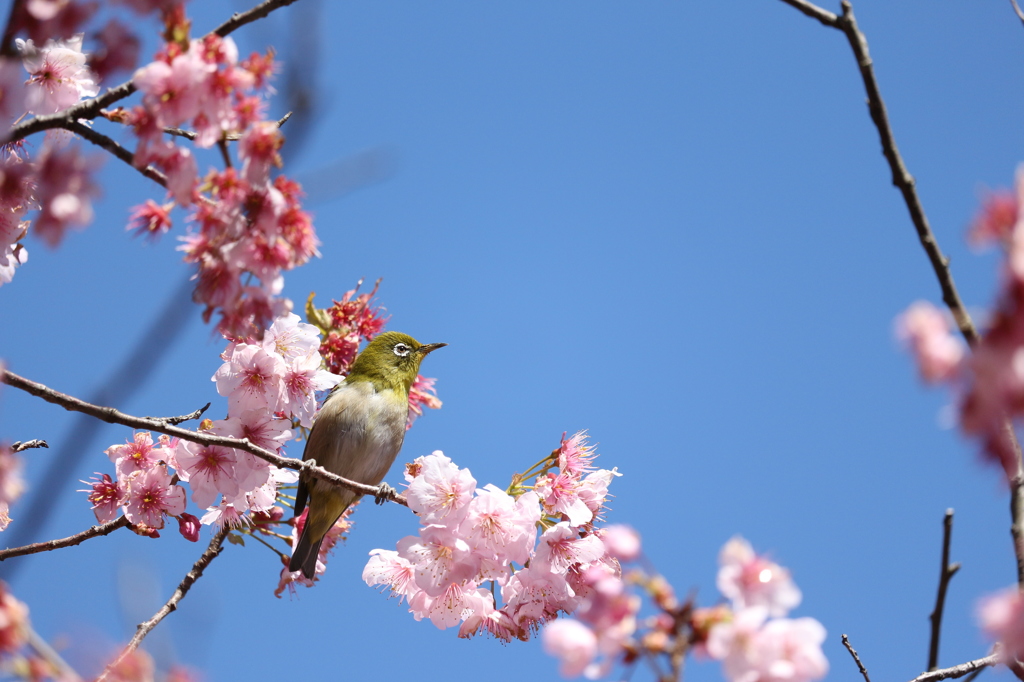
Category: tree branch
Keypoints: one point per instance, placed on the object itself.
(77, 538)
(34, 443)
(958, 670)
(856, 658)
(112, 146)
(906, 184)
(946, 573)
(112, 416)
(90, 108)
(211, 553)
(174, 421)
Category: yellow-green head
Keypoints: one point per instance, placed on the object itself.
(391, 361)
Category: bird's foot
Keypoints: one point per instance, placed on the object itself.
(384, 494)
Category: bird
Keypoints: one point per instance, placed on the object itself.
(357, 434)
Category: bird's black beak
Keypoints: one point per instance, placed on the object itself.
(429, 348)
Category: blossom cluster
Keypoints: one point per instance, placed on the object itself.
(751, 636)
(471, 537)
(989, 381)
(268, 384)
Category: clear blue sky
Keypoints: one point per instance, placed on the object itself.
(666, 222)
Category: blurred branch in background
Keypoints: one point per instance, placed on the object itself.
(79, 440)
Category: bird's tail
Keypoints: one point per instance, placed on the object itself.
(323, 514)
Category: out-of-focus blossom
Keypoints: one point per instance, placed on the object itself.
(926, 330)
(65, 192)
(1001, 616)
(752, 580)
(118, 50)
(14, 626)
(572, 642)
(622, 542)
(150, 220)
(59, 77)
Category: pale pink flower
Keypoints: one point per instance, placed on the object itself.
(150, 220)
(59, 76)
(572, 642)
(14, 625)
(225, 516)
(593, 489)
(137, 454)
(441, 491)
(12, 256)
(498, 524)
(106, 496)
(260, 427)
(534, 596)
(5, 516)
(440, 559)
(118, 50)
(258, 149)
(302, 379)
(561, 547)
(251, 379)
(751, 580)
(178, 164)
(605, 603)
(560, 493)
(1001, 616)
(390, 570)
(12, 485)
(622, 542)
(65, 191)
(291, 338)
(734, 643)
(422, 394)
(151, 496)
(173, 91)
(927, 332)
(480, 614)
(575, 456)
(208, 469)
(444, 609)
(790, 650)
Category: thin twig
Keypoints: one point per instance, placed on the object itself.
(174, 421)
(230, 137)
(34, 443)
(904, 181)
(113, 416)
(112, 146)
(856, 658)
(214, 549)
(1016, 8)
(90, 108)
(224, 154)
(946, 573)
(77, 538)
(958, 670)
(242, 18)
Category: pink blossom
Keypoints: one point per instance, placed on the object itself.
(499, 525)
(621, 542)
(12, 485)
(173, 91)
(441, 490)
(12, 256)
(137, 454)
(422, 394)
(151, 496)
(65, 192)
(445, 609)
(14, 625)
(150, 219)
(225, 516)
(480, 614)
(575, 456)
(188, 526)
(251, 379)
(106, 496)
(572, 642)
(440, 559)
(593, 490)
(261, 428)
(1001, 616)
(59, 75)
(561, 547)
(560, 493)
(790, 650)
(118, 50)
(302, 379)
(926, 330)
(178, 164)
(12, 93)
(751, 580)
(291, 338)
(390, 570)
(734, 643)
(534, 596)
(259, 150)
(208, 469)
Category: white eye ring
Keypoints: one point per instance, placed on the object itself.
(401, 350)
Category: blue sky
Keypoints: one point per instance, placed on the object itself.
(666, 222)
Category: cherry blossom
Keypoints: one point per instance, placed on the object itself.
(106, 496)
(441, 490)
(151, 496)
(751, 580)
(926, 330)
(59, 76)
(1001, 616)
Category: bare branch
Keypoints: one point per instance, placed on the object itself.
(90, 108)
(958, 670)
(815, 12)
(904, 181)
(112, 146)
(261, 10)
(174, 421)
(211, 553)
(112, 416)
(94, 532)
(946, 573)
(35, 443)
(856, 658)
(230, 137)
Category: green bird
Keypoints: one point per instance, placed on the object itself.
(357, 434)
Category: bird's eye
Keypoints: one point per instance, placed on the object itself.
(401, 350)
